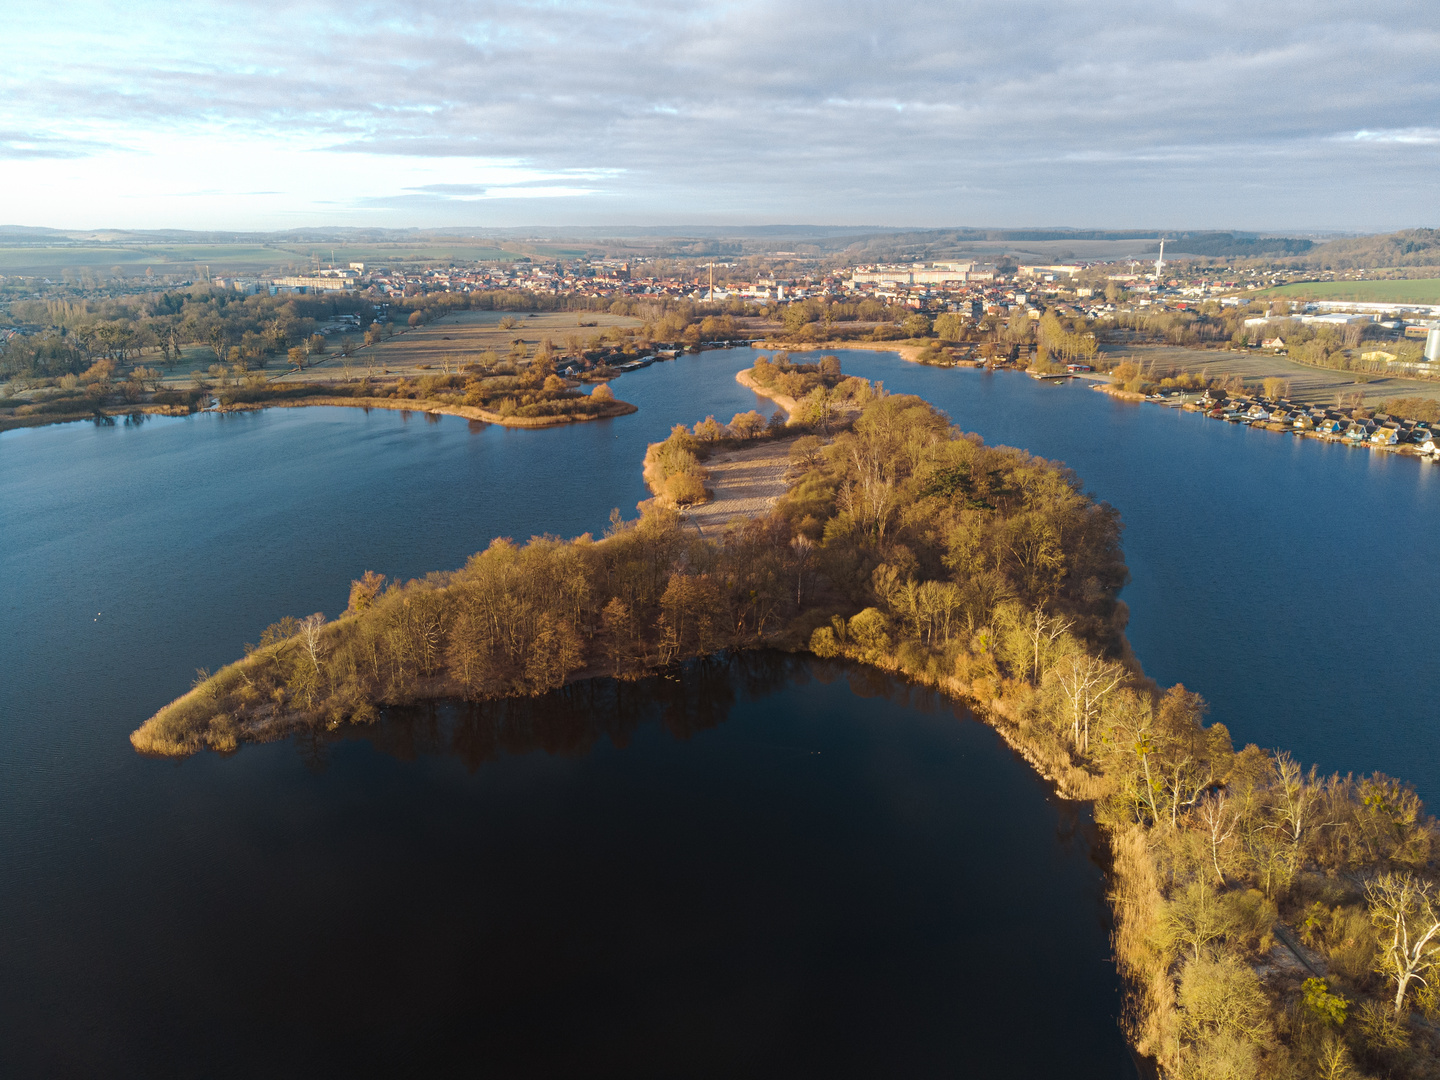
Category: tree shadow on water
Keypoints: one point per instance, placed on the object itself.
(686, 699)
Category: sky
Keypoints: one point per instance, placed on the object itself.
(232, 114)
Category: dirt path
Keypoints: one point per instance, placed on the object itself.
(747, 484)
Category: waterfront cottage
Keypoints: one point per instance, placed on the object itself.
(1384, 436)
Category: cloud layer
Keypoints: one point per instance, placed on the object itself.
(1100, 113)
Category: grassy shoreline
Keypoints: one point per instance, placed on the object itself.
(605, 411)
(469, 412)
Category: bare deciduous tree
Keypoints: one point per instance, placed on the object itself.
(1294, 797)
(1218, 822)
(310, 637)
(1403, 909)
(1086, 681)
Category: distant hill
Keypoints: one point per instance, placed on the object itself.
(1409, 247)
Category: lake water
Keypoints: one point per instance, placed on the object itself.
(834, 879)
(766, 867)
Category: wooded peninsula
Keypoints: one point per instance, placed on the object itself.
(1269, 922)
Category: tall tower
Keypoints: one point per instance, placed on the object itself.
(1160, 262)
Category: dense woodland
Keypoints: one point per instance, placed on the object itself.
(1406, 248)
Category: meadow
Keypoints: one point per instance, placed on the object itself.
(1307, 383)
(1415, 291)
(52, 259)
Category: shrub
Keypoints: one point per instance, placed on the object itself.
(823, 642)
(747, 425)
(685, 488)
(870, 630)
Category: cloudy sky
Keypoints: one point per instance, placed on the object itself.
(241, 114)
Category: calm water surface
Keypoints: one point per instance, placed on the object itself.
(765, 867)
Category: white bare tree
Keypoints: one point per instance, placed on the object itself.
(1403, 909)
(1294, 798)
(1043, 631)
(1085, 681)
(1218, 822)
(804, 549)
(310, 638)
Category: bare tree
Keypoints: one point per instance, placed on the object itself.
(1403, 909)
(310, 630)
(1218, 822)
(1042, 631)
(1086, 681)
(1294, 796)
(804, 549)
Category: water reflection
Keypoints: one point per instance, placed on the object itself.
(684, 701)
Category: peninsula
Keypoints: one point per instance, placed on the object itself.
(1255, 902)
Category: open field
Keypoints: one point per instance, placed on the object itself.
(50, 260)
(462, 337)
(746, 483)
(1319, 385)
(242, 258)
(1418, 291)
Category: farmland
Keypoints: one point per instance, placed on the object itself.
(134, 258)
(1307, 383)
(1416, 291)
(460, 339)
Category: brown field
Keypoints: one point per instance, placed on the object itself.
(461, 337)
(1319, 385)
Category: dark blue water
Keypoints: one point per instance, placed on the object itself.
(743, 872)
(1288, 580)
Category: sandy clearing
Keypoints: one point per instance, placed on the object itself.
(747, 483)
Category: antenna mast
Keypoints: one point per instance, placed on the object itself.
(1160, 262)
